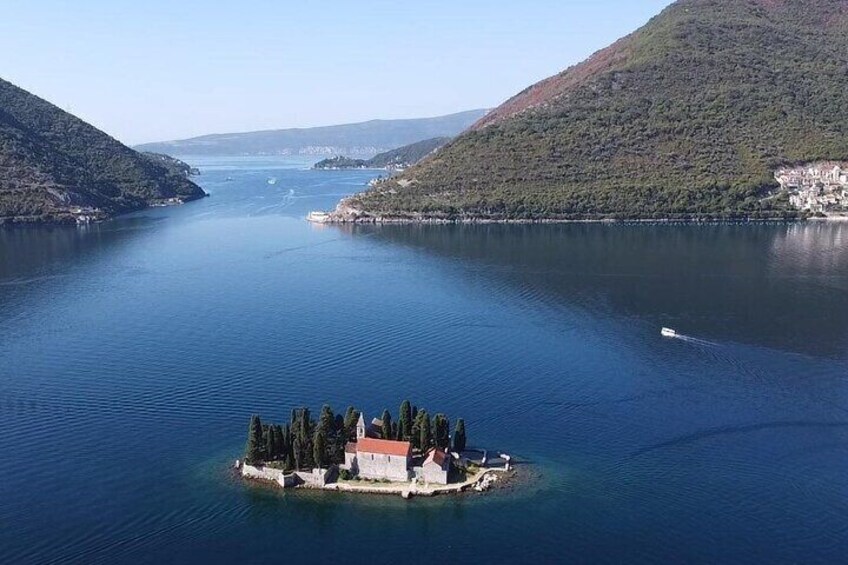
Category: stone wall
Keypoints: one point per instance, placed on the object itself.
(284, 480)
(317, 478)
(350, 462)
(379, 466)
(432, 473)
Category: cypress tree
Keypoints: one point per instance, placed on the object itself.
(319, 449)
(269, 443)
(459, 436)
(255, 444)
(351, 416)
(297, 453)
(441, 431)
(387, 425)
(405, 421)
(326, 420)
(287, 443)
(304, 425)
(415, 436)
(426, 433)
(281, 442)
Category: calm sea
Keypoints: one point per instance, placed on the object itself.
(132, 354)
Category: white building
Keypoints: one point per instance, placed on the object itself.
(379, 459)
(435, 467)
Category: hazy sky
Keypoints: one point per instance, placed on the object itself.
(162, 69)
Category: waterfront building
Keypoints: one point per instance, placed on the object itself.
(435, 467)
(370, 457)
(380, 459)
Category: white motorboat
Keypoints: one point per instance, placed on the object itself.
(668, 332)
(318, 217)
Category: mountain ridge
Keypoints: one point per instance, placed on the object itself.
(366, 138)
(687, 117)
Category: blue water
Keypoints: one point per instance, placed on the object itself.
(133, 352)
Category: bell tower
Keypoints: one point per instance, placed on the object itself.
(360, 427)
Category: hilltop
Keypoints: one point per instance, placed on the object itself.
(363, 139)
(397, 159)
(56, 168)
(407, 155)
(689, 117)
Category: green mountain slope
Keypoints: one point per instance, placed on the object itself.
(363, 139)
(56, 168)
(686, 118)
(407, 155)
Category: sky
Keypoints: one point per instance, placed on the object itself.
(170, 69)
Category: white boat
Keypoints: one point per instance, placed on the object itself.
(272, 180)
(668, 332)
(318, 217)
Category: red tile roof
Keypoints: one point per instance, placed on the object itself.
(384, 446)
(437, 456)
(350, 447)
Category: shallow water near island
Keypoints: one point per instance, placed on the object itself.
(133, 352)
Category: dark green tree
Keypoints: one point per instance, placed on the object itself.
(287, 443)
(441, 431)
(415, 436)
(425, 434)
(387, 425)
(326, 421)
(297, 453)
(319, 449)
(305, 425)
(351, 416)
(405, 421)
(270, 442)
(281, 442)
(459, 438)
(254, 452)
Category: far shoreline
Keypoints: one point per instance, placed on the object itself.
(381, 220)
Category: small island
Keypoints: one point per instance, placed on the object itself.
(415, 455)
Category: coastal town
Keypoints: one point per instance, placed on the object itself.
(415, 456)
(819, 188)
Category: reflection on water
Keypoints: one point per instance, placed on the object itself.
(772, 285)
(132, 354)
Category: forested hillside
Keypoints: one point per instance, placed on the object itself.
(56, 168)
(688, 117)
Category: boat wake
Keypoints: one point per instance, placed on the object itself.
(673, 334)
(695, 340)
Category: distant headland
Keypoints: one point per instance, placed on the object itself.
(55, 168)
(414, 456)
(394, 160)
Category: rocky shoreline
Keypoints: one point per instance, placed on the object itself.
(347, 213)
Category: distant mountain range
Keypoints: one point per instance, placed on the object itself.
(363, 139)
(688, 118)
(56, 168)
(396, 159)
